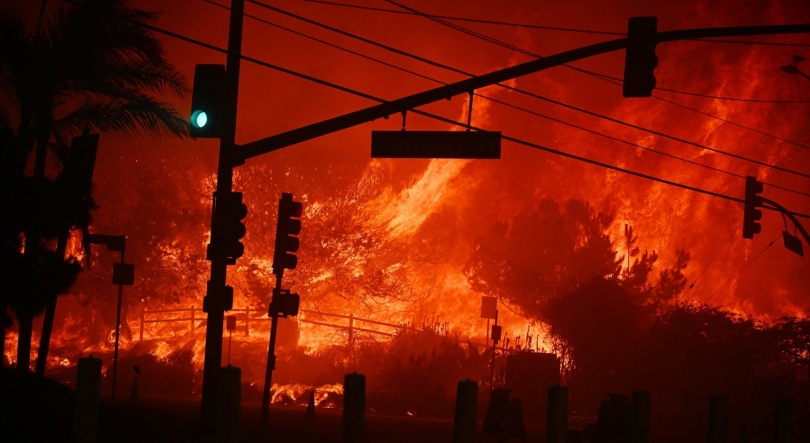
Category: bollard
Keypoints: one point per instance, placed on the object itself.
(354, 407)
(88, 392)
(639, 420)
(311, 406)
(133, 393)
(783, 422)
(557, 425)
(229, 396)
(718, 418)
(466, 408)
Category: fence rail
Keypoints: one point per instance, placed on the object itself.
(262, 316)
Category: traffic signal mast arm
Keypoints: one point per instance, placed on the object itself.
(789, 215)
(404, 104)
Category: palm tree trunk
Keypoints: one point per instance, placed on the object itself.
(50, 311)
(26, 323)
(42, 154)
(3, 345)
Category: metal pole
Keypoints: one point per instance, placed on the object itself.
(271, 357)
(487, 340)
(117, 327)
(230, 340)
(219, 270)
(351, 339)
(494, 348)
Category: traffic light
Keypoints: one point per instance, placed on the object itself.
(287, 228)
(752, 215)
(228, 215)
(218, 298)
(640, 60)
(206, 101)
(284, 303)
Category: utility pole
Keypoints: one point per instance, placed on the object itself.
(219, 265)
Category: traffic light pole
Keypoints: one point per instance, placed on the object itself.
(271, 356)
(219, 267)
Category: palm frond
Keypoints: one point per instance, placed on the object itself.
(139, 113)
(101, 41)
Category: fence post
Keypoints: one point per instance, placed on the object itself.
(466, 408)
(229, 387)
(354, 408)
(557, 414)
(143, 315)
(640, 417)
(718, 418)
(193, 323)
(783, 421)
(247, 321)
(88, 392)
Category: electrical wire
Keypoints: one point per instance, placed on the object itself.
(616, 81)
(775, 137)
(473, 20)
(537, 114)
(736, 99)
(520, 91)
(549, 28)
(742, 269)
(709, 264)
(447, 120)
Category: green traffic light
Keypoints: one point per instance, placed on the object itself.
(199, 119)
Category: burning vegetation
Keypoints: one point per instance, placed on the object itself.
(629, 283)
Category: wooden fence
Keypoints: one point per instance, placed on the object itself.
(243, 315)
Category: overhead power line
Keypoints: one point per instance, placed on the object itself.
(444, 119)
(736, 99)
(473, 20)
(602, 77)
(743, 268)
(521, 91)
(541, 27)
(536, 114)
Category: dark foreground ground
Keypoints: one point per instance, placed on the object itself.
(36, 410)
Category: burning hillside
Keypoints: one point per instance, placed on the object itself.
(396, 255)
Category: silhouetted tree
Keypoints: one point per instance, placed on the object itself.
(600, 324)
(91, 66)
(547, 252)
(543, 254)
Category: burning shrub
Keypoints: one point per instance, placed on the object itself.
(169, 374)
(416, 373)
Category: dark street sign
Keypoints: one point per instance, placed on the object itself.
(113, 242)
(436, 144)
(489, 306)
(123, 274)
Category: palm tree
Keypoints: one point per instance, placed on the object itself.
(92, 65)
